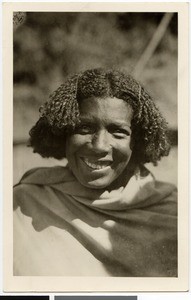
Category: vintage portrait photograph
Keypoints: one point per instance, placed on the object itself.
(95, 147)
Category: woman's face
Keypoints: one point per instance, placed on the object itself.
(98, 151)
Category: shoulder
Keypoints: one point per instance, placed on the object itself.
(32, 204)
(27, 195)
(166, 196)
(35, 187)
(45, 175)
(35, 197)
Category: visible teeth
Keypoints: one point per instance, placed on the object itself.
(98, 165)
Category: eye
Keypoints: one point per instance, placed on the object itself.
(84, 129)
(120, 133)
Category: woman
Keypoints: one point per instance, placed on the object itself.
(103, 214)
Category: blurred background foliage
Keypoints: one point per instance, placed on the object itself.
(49, 46)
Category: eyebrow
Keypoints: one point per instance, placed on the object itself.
(116, 122)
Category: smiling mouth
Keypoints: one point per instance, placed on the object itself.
(96, 165)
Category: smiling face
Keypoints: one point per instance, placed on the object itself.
(98, 151)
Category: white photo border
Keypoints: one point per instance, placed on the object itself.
(96, 284)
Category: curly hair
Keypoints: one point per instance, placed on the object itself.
(60, 115)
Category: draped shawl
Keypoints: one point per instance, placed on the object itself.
(62, 228)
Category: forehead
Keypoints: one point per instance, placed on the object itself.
(108, 108)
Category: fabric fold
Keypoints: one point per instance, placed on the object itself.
(131, 231)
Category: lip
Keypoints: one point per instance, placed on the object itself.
(96, 164)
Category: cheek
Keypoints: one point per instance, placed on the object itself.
(73, 144)
(122, 152)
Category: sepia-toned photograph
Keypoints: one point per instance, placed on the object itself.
(95, 148)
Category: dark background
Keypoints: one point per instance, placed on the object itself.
(50, 46)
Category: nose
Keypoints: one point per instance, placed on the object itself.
(101, 141)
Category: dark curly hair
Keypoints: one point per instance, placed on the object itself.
(60, 115)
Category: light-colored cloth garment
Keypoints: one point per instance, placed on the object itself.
(62, 228)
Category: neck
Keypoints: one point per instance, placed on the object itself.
(124, 178)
